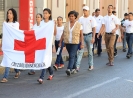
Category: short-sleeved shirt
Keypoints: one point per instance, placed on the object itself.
(129, 26)
(87, 24)
(110, 23)
(59, 32)
(99, 20)
(118, 31)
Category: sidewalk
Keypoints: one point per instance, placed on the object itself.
(65, 55)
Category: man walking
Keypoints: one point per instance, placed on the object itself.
(124, 33)
(88, 22)
(98, 41)
(128, 24)
(110, 24)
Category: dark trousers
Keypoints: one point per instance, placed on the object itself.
(129, 38)
(6, 73)
(50, 70)
(59, 59)
(98, 42)
(72, 51)
(115, 49)
(44, 72)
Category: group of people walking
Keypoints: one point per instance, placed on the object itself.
(78, 33)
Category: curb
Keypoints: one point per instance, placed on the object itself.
(65, 58)
(85, 54)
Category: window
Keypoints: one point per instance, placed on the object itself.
(2, 3)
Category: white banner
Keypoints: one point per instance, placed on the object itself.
(27, 49)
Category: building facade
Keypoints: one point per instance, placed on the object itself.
(62, 7)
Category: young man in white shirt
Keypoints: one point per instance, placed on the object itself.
(124, 33)
(89, 29)
(128, 24)
(98, 41)
(110, 24)
(117, 34)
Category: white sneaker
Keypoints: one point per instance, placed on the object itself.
(90, 68)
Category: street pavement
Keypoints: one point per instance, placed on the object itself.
(102, 82)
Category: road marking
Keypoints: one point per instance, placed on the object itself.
(91, 88)
(129, 80)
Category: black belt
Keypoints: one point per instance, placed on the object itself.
(129, 33)
(57, 40)
(109, 33)
(87, 34)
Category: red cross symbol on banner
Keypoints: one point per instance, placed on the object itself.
(30, 45)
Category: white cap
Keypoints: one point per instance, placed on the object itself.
(85, 8)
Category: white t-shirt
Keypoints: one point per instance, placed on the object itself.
(129, 26)
(87, 24)
(36, 26)
(70, 30)
(99, 20)
(59, 32)
(118, 31)
(110, 23)
(15, 25)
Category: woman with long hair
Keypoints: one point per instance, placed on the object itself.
(11, 19)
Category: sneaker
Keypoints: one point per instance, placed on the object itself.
(73, 71)
(128, 56)
(61, 66)
(40, 81)
(111, 64)
(115, 54)
(68, 72)
(4, 80)
(55, 67)
(31, 73)
(124, 50)
(90, 68)
(50, 77)
(77, 69)
(17, 75)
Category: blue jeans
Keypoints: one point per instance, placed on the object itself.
(72, 51)
(79, 57)
(129, 38)
(124, 41)
(87, 41)
(44, 72)
(6, 73)
(59, 59)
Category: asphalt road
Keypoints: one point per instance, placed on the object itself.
(102, 82)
